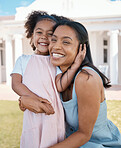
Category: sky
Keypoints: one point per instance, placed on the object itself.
(8, 7)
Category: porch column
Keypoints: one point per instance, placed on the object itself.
(18, 45)
(9, 58)
(0, 67)
(114, 56)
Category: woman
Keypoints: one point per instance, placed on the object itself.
(84, 100)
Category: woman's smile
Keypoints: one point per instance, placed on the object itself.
(57, 55)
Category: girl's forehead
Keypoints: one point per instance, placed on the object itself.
(45, 23)
(47, 20)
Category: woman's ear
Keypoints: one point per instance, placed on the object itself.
(83, 48)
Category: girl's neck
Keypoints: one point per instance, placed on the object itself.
(41, 53)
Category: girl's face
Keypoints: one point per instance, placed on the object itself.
(63, 47)
(42, 35)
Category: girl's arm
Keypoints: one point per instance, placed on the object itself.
(22, 90)
(62, 82)
(88, 97)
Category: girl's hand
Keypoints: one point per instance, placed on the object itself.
(80, 56)
(43, 100)
(47, 108)
(35, 105)
(20, 105)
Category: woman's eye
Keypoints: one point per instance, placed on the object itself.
(66, 42)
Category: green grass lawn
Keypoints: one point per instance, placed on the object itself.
(10, 124)
(114, 112)
(11, 121)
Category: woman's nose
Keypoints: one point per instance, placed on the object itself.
(57, 45)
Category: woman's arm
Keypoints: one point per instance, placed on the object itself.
(62, 82)
(30, 104)
(88, 97)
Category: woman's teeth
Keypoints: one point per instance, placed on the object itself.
(57, 55)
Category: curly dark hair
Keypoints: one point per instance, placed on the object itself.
(32, 19)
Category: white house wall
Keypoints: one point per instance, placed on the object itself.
(26, 46)
(93, 46)
(119, 60)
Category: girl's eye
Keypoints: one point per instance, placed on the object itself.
(53, 40)
(49, 34)
(39, 32)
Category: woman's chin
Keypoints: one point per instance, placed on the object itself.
(55, 63)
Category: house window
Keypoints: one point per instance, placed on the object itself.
(1, 45)
(105, 42)
(2, 60)
(105, 53)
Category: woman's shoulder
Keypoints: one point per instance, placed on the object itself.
(87, 77)
(88, 85)
(84, 77)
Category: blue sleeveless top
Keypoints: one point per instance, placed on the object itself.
(105, 134)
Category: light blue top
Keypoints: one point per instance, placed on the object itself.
(105, 134)
(21, 63)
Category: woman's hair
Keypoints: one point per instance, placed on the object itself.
(61, 18)
(34, 17)
(82, 36)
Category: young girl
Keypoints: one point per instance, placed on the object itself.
(34, 77)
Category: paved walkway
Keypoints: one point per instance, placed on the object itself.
(6, 93)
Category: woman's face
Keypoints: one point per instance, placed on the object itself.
(63, 47)
(42, 35)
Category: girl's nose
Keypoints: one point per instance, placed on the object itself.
(44, 36)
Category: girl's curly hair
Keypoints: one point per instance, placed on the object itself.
(31, 22)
